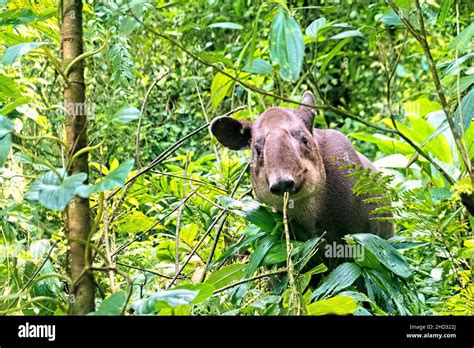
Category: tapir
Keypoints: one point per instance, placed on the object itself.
(311, 164)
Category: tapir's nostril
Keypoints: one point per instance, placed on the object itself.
(281, 186)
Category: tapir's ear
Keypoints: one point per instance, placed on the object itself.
(307, 113)
(232, 133)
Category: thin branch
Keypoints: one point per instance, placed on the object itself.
(145, 270)
(142, 115)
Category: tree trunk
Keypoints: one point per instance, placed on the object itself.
(78, 210)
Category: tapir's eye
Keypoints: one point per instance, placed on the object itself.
(258, 150)
(304, 140)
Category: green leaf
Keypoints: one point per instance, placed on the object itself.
(220, 86)
(226, 25)
(112, 305)
(127, 114)
(286, 45)
(467, 113)
(53, 192)
(391, 19)
(258, 255)
(15, 52)
(13, 105)
(204, 291)
(23, 16)
(346, 34)
(313, 29)
(342, 277)
(332, 54)
(115, 178)
(5, 146)
(6, 126)
(464, 83)
(226, 275)
(258, 66)
(443, 12)
(164, 299)
(461, 41)
(8, 87)
(384, 253)
(339, 305)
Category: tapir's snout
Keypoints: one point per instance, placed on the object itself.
(282, 185)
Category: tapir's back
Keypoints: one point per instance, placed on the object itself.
(343, 212)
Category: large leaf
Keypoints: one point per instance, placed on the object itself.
(286, 45)
(443, 12)
(226, 275)
(467, 112)
(384, 253)
(15, 52)
(112, 305)
(24, 16)
(258, 66)
(313, 29)
(6, 126)
(205, 291)
(127, 114)
(220, 86)
(342, 277)
(55, 192)
(115, 178)
(258, 255)
(339, 305)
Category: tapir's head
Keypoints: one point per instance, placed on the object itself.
(285, 155)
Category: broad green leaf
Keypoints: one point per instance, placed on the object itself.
(420, 107)
(226, 275)
(112, 305)
(313, 29)
(384, 252)
(286, 45)
(461, 41)
(346, 34)
(115, 178)
(258, 66)
(15, 52)
(5, 146)
(6, 126)
(188, 233)
(467, 113)
(391, 19)
(8, 87)
(339, 305)
(220, 86)
(226, 25)
(127, 114)
(278, 252)
(386, 144)
(340, 278)
(53, 192)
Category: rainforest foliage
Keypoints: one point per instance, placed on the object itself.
(173, 228)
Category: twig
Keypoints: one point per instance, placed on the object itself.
(165, 154)
(221, 226)
(142, 115)
(294, 302)
(246, 280)
(146, 270)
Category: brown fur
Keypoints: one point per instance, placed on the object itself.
(288, 151)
